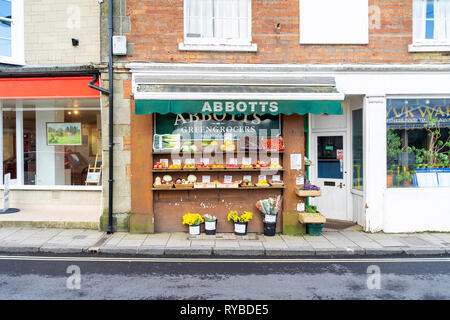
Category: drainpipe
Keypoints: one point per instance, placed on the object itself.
(110, 94)
(111, 144)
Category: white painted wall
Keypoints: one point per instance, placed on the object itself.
(415, 210)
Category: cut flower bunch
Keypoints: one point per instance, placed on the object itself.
(192, 219)
(245, 217)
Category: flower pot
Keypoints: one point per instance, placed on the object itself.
(210, 227)
(194, 230)
(314, 229)
(269, 228)
(240, 228)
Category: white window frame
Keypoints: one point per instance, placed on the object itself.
(429, 45)
(217, 44)
(17, 35)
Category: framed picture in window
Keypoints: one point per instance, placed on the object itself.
(64, 134)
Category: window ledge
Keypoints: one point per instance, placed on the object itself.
(53, 188)
(217, 47)
(431, 47)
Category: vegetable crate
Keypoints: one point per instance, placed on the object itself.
(308, 193)
(306, 217)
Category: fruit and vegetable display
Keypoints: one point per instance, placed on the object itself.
(228, 146)
(203, 166)
(218, 166)
(175, 166)
(275, 164)
(189, 146)
(186, 183)
(165, 182)
(166, 142)
(272, 144)
(260, 164)
(210, 146)
(276, 182)
(262, 183)
(246, 183)
(246, 166)
(189, 166)
(160, 165)
(232, 166)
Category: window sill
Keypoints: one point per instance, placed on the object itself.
(420, 47)
(217, 47)
(53, 188)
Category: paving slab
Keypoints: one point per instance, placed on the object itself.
(238, 251)
(384, 251)
(188, 251)
(425, 251)
(147, 250)
(227, 244)
(290, 252)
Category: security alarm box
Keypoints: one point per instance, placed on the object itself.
(119, 45)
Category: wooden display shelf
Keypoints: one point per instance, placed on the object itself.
(223, 152)
(200, 189)
(219, 170)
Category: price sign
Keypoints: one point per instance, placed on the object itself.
(270, 218)
(262, 177)
(300, 206)
(274, 160)
(166, 161)
(206, 179)
(246, 161)
(228, 136)
(176, 162)
(276, 177)
(204, 160)
(248, 178)
(233, 161)
(300, 180)
(190, 161)
(227, 179)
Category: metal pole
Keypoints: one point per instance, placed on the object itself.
(111, 144)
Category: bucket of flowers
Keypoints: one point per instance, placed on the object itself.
(240, 222)
(269, 208)
(193, 220)
(210, 224)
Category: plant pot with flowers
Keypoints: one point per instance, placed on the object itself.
(193, 220)
(210, 224)
(308, 190)
(240, 222)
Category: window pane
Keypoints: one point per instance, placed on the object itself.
(9, 143)
(5, 29)
(429, 33)
(430, 9)
(29, 147)
(329, 164)
(5, 48)
(357, 143)
(418, 143)
(5, 9)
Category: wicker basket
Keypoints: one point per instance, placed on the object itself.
(276, 184)
(308, 193)
(204, 185)
(163, 186)
(184, 186)
(303, 218)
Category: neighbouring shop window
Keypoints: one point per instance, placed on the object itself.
(217, 21)
(61, 138)
(11, 31)
(418, 143)
(357, 145)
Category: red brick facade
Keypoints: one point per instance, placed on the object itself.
(157, 28)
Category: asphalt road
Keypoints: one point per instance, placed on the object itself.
(102, 277)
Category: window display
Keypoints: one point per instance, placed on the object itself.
(61, 140)
(418, 142)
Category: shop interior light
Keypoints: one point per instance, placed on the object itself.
(76, 112)
(70, 112)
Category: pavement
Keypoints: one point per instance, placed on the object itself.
(329, 243)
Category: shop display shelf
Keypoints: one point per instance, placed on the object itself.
(200, 189)
(200, 152)
(219, 170)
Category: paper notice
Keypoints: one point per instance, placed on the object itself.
(227, 179)
(296, 161)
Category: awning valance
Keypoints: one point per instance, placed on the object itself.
(259, 107)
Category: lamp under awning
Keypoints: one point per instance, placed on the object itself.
(220, 99)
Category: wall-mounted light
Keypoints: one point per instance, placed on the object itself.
(75, 42)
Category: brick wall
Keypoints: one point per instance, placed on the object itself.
(50, 25)
(157, 28)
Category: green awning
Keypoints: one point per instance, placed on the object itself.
(272, 107)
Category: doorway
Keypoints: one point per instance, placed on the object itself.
(330, 173)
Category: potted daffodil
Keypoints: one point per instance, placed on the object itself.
(193, 220)
(240, 222)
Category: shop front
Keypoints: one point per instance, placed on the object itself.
(218, 148)
(51, 138)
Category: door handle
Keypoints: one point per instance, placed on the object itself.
(341, 185)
